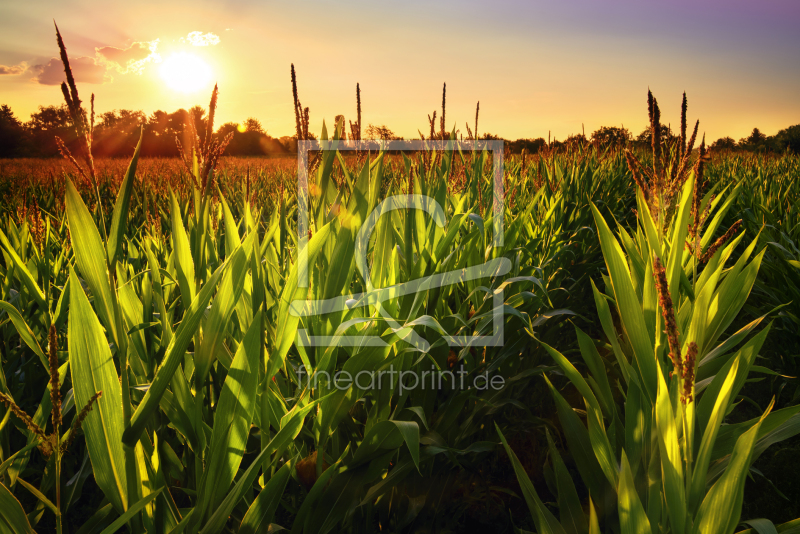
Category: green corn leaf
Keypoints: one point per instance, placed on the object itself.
(39, 495)
(291, 428)
(671, 461)
(732, 294)
(721, 509)
(8, 461)
(579, 445)
(234, 413)
(22, 272)
(93, 370)
(386, 435)
(601, 445)
(288, 322)
(130, 513)
(680, 226)
(75, 484)
(60, 315)
(594, 524)
(307, 508)
(632, 518)
(545, 521)
(762, 526)
(12, 517)
(628, 305)
(119, 219)
(262, 511)
(100, 519)
(765, 526)
(778, 425)
(222, 308)
(569, 505)
(574, 376)
(184, 264)
(745, 358)
(90, 256)
(598, 370)
(24, 331)
(700, 468)
(606, 321)
(172, 359)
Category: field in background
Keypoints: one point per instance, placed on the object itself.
(466, 482)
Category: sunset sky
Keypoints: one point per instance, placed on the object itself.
(534, 66)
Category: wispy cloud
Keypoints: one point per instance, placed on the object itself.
(13, 70)
(201, 39)
(85, 69)
(131, 59)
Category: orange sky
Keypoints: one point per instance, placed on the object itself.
(534, 66)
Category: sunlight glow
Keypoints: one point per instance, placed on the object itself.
(186, 73)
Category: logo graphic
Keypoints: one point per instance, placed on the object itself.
(374, 297)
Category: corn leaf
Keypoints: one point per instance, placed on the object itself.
(720, 511)
(119, 219)
(12, 517)
(172, 359)
(632, 518)
(545, 521)
(93, 371)
(262, 511)
(234, 413)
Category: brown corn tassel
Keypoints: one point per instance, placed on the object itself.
(633, 165)
(688, 372)
(297, 109)
(668, 311)
(80, 417)
(721, 241)
(22, 416)
(55, 386)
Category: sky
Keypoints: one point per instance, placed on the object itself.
(536, 67)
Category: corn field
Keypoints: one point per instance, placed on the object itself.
(154, 376)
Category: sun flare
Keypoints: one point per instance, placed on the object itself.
(186, 73)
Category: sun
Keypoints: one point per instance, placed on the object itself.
(186, 73)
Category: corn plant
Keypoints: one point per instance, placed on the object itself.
(659, 457)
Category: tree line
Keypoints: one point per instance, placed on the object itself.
(116, 134)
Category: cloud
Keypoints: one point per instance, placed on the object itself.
(129, 60)
(13, 70)
(84, 69)
(201, 39)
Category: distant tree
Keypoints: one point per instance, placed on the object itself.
(607, 136)
(289, 143)
(646, 137)
(576, 139)
(755, 139)
(227, 128)
(380, 132)
(723, 143)
(531, 145)
(253, 125)
(490, 137)
(49, 118)
(789, 139)
(249, 139)
(12, 135)
(45, 125)
(117, 133)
